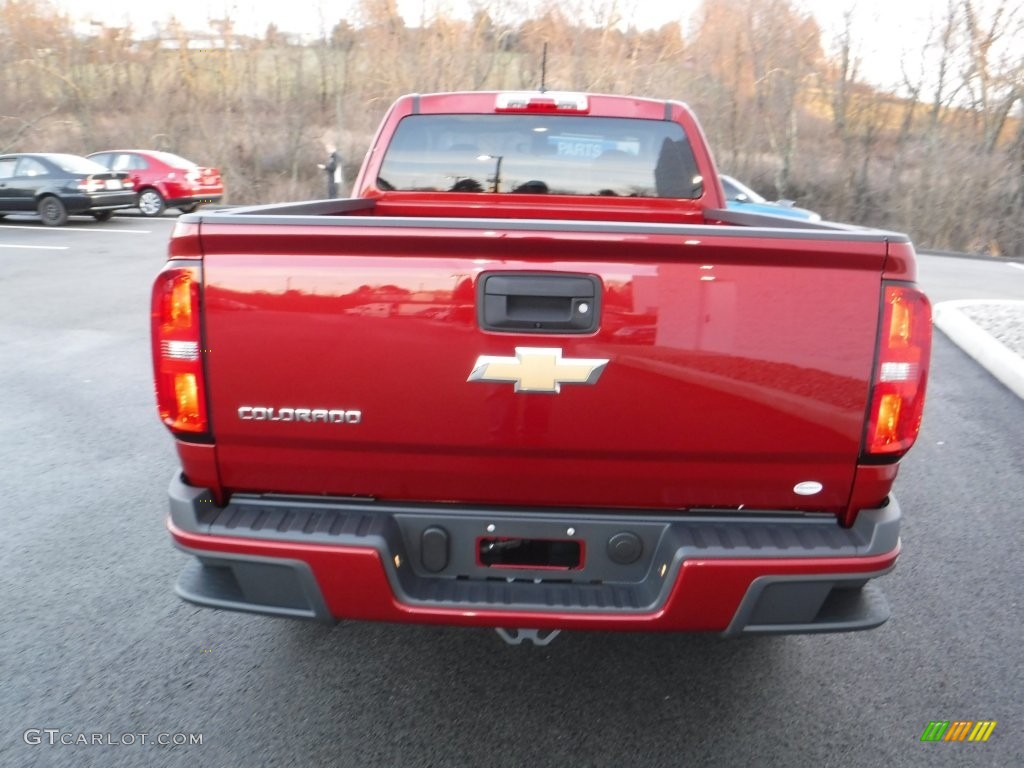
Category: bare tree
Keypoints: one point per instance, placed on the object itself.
(943, 157)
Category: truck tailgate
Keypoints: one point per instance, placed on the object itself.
(737, 375)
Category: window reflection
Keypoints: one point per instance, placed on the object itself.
(541, 154)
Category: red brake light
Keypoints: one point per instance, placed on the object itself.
(549, 101)
(177, 349)
(901, 372)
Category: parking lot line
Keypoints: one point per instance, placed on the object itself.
(38, 247)
(76, 229)
(1015, 265)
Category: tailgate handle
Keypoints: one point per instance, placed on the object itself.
(539, 302)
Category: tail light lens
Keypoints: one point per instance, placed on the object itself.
(901, 372)
(90, 185)
(177, 349)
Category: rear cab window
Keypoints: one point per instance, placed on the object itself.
(541, 154)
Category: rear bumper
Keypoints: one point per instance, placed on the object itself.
(99, 201)
(334, 559)
(212, 197)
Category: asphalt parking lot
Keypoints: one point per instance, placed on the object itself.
(94, 641)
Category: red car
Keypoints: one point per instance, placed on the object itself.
(164, 180)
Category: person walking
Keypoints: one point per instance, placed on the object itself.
(333, 170)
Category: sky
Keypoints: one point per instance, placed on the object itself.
(888, 34)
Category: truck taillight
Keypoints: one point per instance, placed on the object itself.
(901, 372)
(177, 349)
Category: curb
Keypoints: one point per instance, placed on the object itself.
(988, 351)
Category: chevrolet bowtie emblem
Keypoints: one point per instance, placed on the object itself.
(536, 369)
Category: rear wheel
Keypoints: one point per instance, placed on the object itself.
(190, 208)
(52, 211)
(103, 215)
(151, 202)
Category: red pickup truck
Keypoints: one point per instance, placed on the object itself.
(535, 376)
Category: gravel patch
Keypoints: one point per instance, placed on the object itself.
(1003, 320)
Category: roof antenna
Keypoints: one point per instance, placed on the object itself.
(544, 68)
